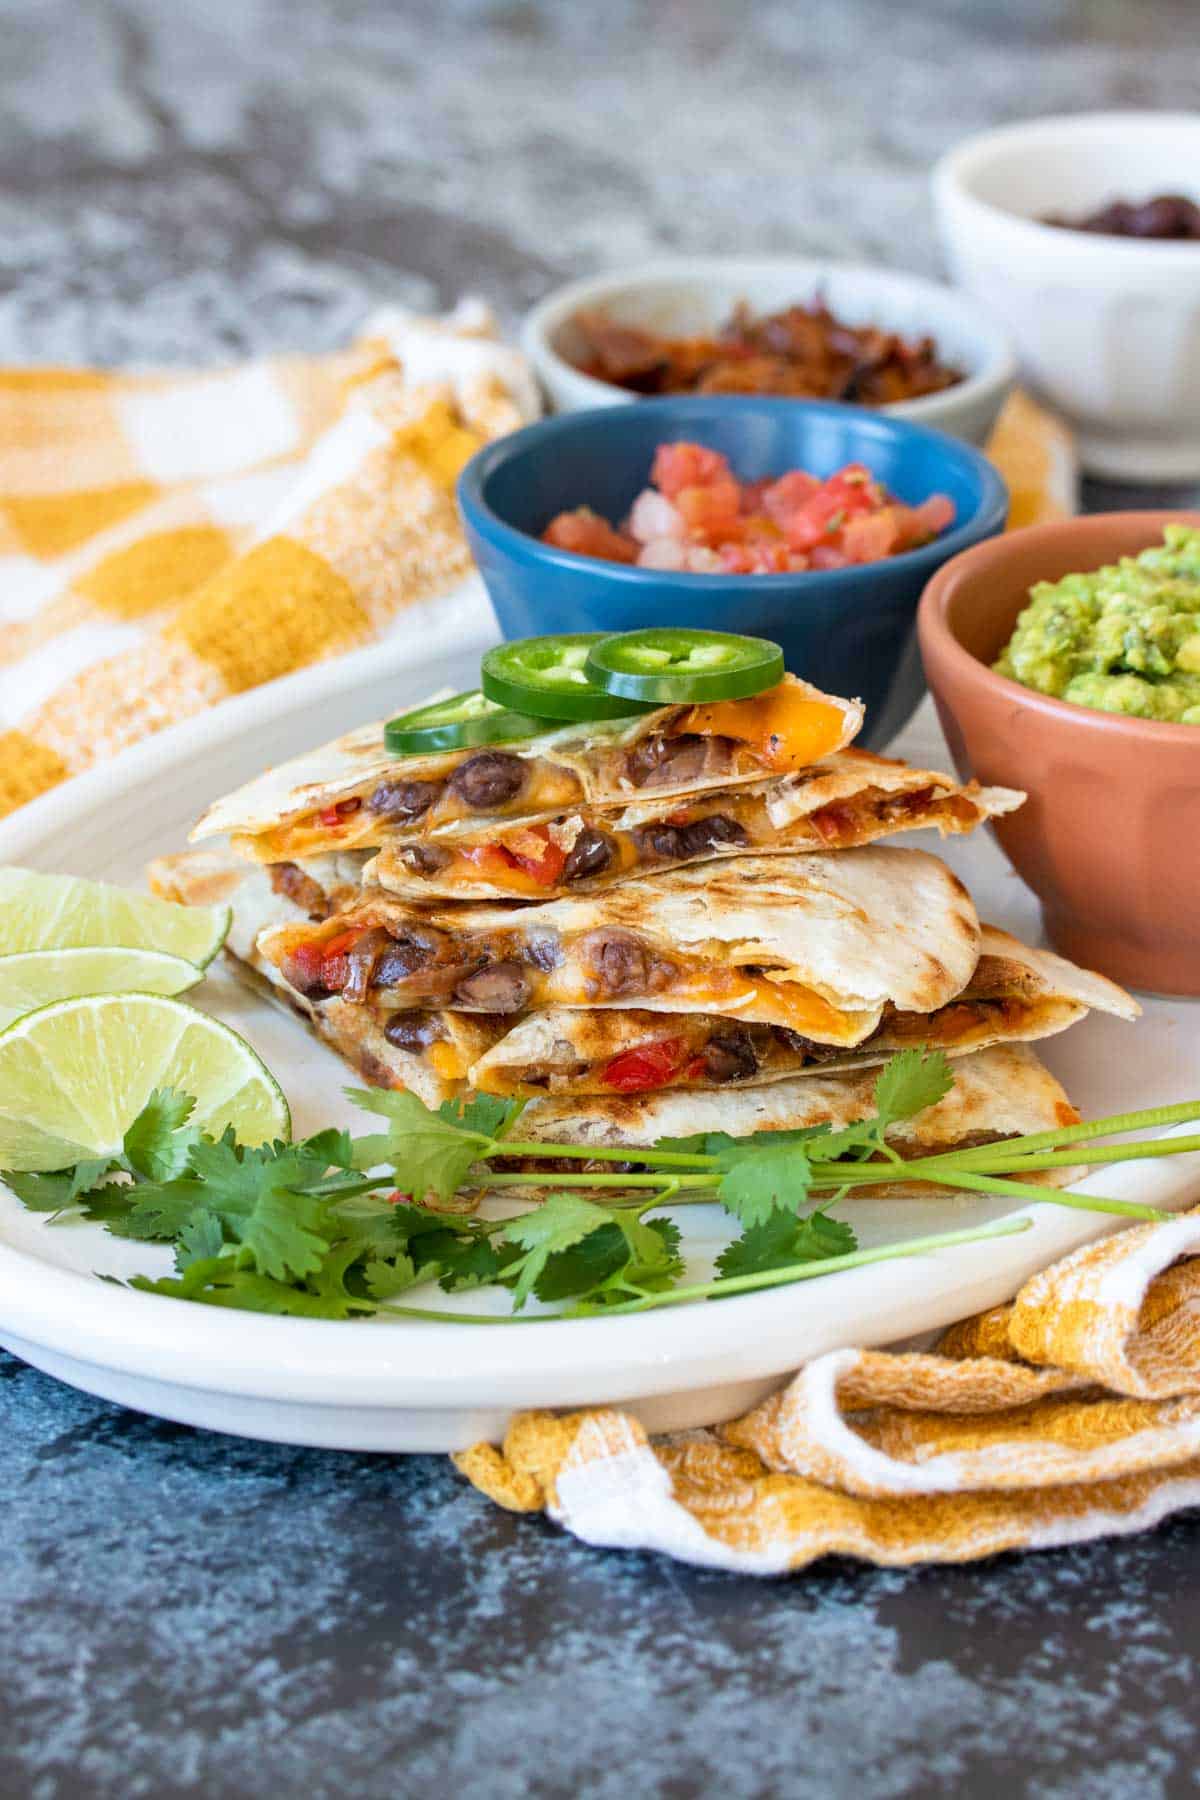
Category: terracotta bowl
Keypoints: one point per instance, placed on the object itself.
(1109, 838)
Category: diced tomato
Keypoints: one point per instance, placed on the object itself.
(546, 866)
(335, 973)
(832, 822)
(497, 862)
(587, 534)
(335, 815)
(697, 516)
(647, 1066)
(679, 466)
(871, 536)
(696, 1070)
(681, 816)
(935, 514)
(828, 556)
(305, 965)
(396, 1198)
(344, 940)
(710, 514)
(752, 495)
(854, 488)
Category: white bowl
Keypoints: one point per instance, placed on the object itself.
(698, 294)
(1107, 328)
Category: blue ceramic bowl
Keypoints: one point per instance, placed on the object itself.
(850, 631)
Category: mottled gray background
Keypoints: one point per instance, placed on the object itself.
(188, 1615)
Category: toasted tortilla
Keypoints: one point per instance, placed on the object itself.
(293, 811)
(434, 1072)
(846, 800)
(1016, 994)
(1001, 1092)
(819, 944)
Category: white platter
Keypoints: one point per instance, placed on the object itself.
(406, 1386)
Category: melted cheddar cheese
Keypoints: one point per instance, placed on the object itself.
(784, 727)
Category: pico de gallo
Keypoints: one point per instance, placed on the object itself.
(696, 517)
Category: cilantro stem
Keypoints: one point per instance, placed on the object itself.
(1113, 1126)
(734, 1284)
(829, 1265)
(1025, 1190)
(999, 1158)
(1101, 1153)
(671, 1159)
(545, 1179)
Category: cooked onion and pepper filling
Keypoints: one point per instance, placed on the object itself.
(721, 743)
(582, 853)
(417, 965)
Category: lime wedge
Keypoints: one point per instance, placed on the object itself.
(34, 978)
(75, 1075)
(63, 912)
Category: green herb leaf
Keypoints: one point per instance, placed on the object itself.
(911, 1081)
(430, 1154)
(200, 1238)
(388, 1276)
(220, 1281)
(487, 1114)
(258, 1195)
(158, 1143)
(160, 1209)
(760, 1182)
(782, 1240)
(59, 1191)
(559, 1222)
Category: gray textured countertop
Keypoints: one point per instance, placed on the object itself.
(184, 1614)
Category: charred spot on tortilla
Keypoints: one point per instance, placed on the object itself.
(375, 1072)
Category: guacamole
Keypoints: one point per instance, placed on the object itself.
(1123, 639)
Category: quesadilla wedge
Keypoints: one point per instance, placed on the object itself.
(998, 1093)
(1015, 994)
(819, 944)
(848, 799)
(428, 1053)
(355, 794)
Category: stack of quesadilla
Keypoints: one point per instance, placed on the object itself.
(679, 921)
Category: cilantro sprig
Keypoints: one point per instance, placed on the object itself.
(343, 1227)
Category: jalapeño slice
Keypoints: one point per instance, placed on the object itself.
(545, 676)
(668, 665)
(458, 723)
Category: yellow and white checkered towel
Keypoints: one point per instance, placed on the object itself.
(167, 540)
(1072, 1413)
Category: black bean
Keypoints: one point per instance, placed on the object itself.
(619, 962)
(680, 843)
(424, 859)
(404, 801)
(712, 833)
(545, 953)
(410, 1030)
(809, 1048)
(590, 854)
(729, 1056)
(662, 761)
(499, 988)
(406, 955)
(489, 780)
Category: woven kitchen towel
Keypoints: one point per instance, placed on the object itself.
(1072, 1413)
(169, 540)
